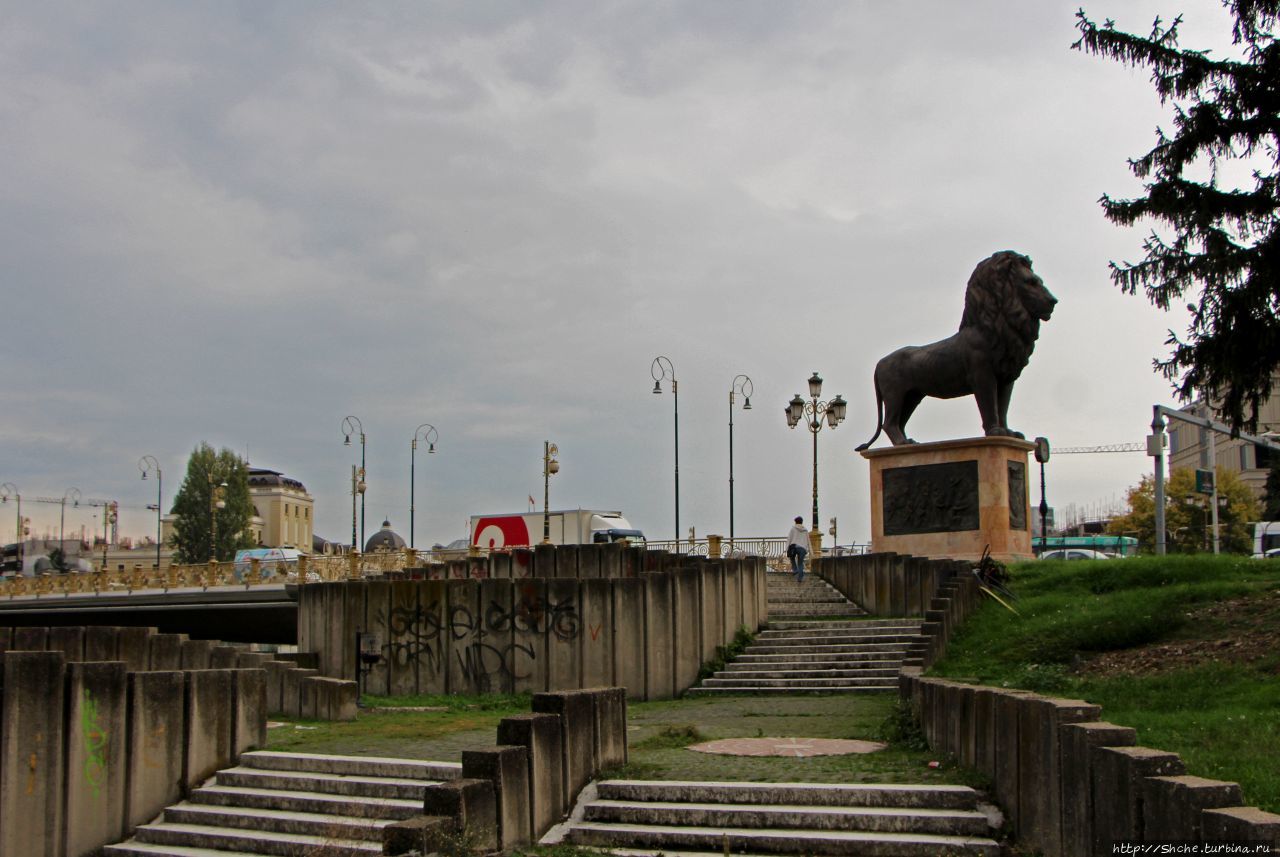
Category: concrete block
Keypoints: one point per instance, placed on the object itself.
(423, 834)
(1118, 773)
(101, 643)
(1172, 806)
(500, 565)
(1008, 707)
(409, 637)
(305, 660)
(566, 561)
(157, 726)
(132, 646)
(544, 561)
(984, 730)
(332, 618)
(275, 671)
(31, 762)
(529, 617)
(687, 635)
(325, 698)
(1039, 775)
(1076, 742)
(251, 660)
(540, 734)
(250, 723)
(732, 598)
(597, 627)
(659, 637)
(610, 710)
(210, 726)
(30, 639)
(463, 653)
(630, 654)
(68, 640)
(507, 767)
(306, 612)
(576, 711)
(95, 730)
(489, 657)
(353, 609)
(377, 618)
(6, 640)
(564, 625)
(1241, 824)
(473, 807)
(223, 657)
(197, 654)
(521, 563)
(611, 561)
(711, 608)
(589, 562)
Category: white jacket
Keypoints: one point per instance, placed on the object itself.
(799, 537)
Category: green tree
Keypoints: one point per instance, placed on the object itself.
(1187, 518)
(1271, 496)
(1223, 235)
(194, 507)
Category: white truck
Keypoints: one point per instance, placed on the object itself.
(1266, 537)
(567, 527)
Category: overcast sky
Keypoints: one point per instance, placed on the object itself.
(240, 222)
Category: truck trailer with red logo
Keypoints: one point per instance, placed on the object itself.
(567, 527)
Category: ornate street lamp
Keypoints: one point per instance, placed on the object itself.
(741, 383)
(816, 410)
(146, 464)
(352, 425)
(549, 467)
(217, 502)
(430, 437)
(662, 369)
(1042, 456)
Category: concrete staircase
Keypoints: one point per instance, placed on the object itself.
(647, 818)
(291, 805)
(806, 655)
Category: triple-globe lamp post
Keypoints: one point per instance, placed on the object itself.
(147, 464)
(661, 370)
(550, 466)
(816, 411)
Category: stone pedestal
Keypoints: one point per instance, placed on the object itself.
(952, 498)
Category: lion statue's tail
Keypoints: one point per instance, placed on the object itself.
(879, 417)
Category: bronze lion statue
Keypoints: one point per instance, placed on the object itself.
(1003, 307)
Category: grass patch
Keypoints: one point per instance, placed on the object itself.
(1182, 648)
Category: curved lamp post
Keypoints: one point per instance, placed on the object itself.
(662, 369)
(549, 467)
(146, 464)
(430, 437)
(816, 410)
(742, 384)
(352, 425)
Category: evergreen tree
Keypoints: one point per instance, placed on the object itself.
(194, 504)
(1222, 238)
(1271, 497)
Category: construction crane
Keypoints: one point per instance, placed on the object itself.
(1107, 447)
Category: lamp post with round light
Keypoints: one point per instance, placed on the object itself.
(742, 384)
(550, 466)
(816, 410)
(146, 464)
(430, 437)
(662, 369)
(352, 425)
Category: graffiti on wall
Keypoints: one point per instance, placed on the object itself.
(486, 640)
(95, 744)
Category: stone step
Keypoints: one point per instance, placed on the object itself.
(906, 796)
(253, 842)
(843, 623)
(276, 821)
(805, 673)
(816, 681)
(782, 662)
(307, 781)
(947, 822)
(795, 689)
(134, 848)
(803, 638)
(392, 809)
(357, 766)
(816, 610)
(824, 842)
(841, 648)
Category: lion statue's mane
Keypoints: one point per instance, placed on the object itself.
(1004, 304)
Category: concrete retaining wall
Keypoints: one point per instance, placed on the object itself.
(1071, 784)
(545, 628)
(145, 650)
(89, 750)
(511, 794)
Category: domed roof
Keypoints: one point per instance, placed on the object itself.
(385, 539)
(260, 477)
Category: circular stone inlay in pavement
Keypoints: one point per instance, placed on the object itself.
(796, 747)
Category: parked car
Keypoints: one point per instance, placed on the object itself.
(1074, 553)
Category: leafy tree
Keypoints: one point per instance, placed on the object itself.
(1225, 238)
(1271, 497)
(194, 507)
(1187, 518)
